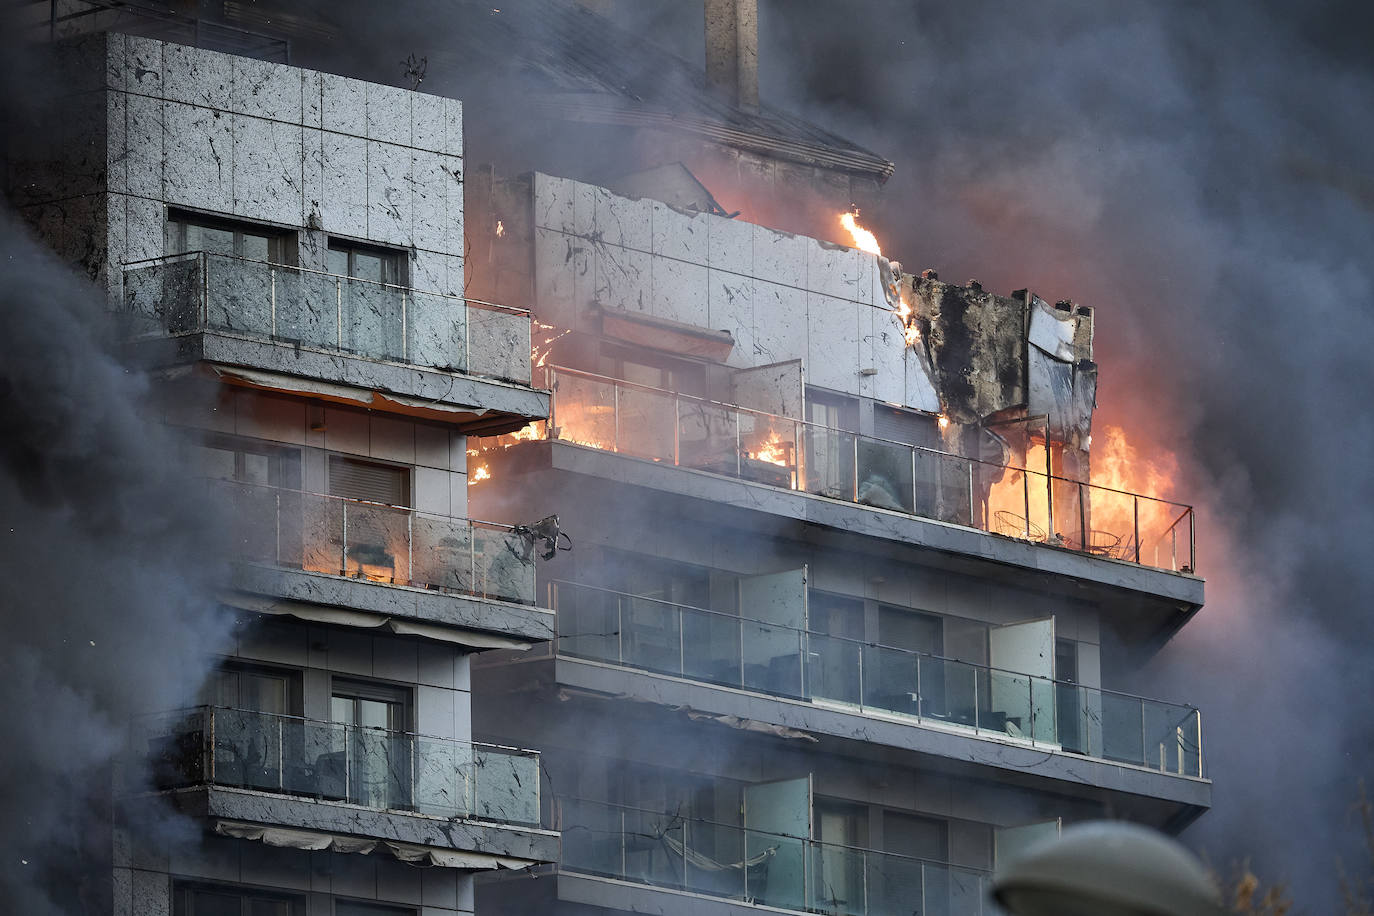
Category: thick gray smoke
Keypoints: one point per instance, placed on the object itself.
(106, 558)
(1199, 173)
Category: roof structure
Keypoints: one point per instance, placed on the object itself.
(574, 64)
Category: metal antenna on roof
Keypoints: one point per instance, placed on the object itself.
(414, 71)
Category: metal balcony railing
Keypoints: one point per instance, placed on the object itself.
(201, 291)
(371, 767)
(764, 657)
(379, 543)
(771, 869)
(689, 432)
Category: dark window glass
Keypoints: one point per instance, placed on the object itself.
(348, 908)
(193, 232)
(363, 262)
(197, 900)
(915, 836)
(247, 461)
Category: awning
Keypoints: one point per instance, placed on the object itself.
(367, 620)
(411, 853)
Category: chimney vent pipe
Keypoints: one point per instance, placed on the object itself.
(732, 50)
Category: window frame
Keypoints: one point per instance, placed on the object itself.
(395, 261)
(183, 903)
(406, 473)
(283, 245)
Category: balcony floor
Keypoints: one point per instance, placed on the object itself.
(511, 625)
(476, 404)
(242, 805)
(1163, 799)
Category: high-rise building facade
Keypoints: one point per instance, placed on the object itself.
(830, 619)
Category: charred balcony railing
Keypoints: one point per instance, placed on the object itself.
(202, 291)
(371, 767)
(755, 866)
(689, 432)
(772, 658)
(375, 542)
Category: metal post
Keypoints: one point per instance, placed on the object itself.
(204, 291)
(1082, 521)
(467, 337)
(1049, 484)
(972, 521)
(914, 509)
(677, 430)
(281, 760)
(975, 700)
(739, 456)
(410, 548)
(1135, 508)
(344, 503)
(853, 438)
(681, 649)
(623, 871)
(620, 628)
(859, 648)
(272, 273)
(1192, 540)
(615, 415)
(405, 338)
(1025, 498)
(1143, 742)
(920, 705)
(338, 313)
(1197, 714)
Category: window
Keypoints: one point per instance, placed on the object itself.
(374, 746)
(193, 232)
(915, 836)
(652, 371)
(371, 481)
(256, 689)
(1069, 696)
(840, 827)
(203, 900)
(366, 262)
(833, 411)
(247, 461)
(899, 628)
(833, 666)
(350, 908)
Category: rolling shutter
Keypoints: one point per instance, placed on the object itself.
(378, 483)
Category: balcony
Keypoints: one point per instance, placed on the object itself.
(440, 561)
(664, 850)
(357, 333)
(240, 766)
(866, 679)
(1029, 506)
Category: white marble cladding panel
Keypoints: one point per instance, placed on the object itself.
(920, 390)
(781, 296)
(219, 133)
(389, 182)
(679, 291)
(267, 170)
(832, 326)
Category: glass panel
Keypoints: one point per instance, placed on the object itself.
(769, 449)
(507, 786)
(772, 658)
(837, 880)
(239, 296)
(711, 647)
(338, 262)
(366, 266)
(1164, 534)
(1122, 737)
(585, 411)
(829, 462)
(890, 680)
(645, 423)
(780, 879)
(1171, 736)
(651, 635)
(715, 860)
(215, 903)
(595, 838)
(210, 239)
(252, 518)
(441, 553)
(165, 296)
(951, 691)
(377, 542)
(443, 777)
(500, 566)
(498, 343)
(832, 668)
(436, 331)
(257, 247)
(708, 437)
(323, 532)
(248, 749)
(1111, 523)
(307, 308)
(373, 319)
(588, 623)
(898, 885)
(885, 475)
(1008, 703)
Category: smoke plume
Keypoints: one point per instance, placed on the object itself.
(106, 559)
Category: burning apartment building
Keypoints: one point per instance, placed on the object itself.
(831, 615)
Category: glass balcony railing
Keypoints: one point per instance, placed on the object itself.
(201, 291)
(763, 657)
(372, 767)
(1029, 505)
(375, 542)
(770, 869)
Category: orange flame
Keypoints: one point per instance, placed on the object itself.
(773, 450)
(864, 240)
(481, 473)
(500, 229)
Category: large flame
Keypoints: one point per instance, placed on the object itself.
(864, 240)
(480, 473)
